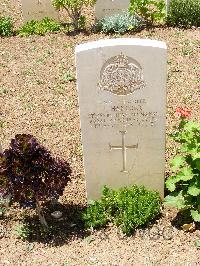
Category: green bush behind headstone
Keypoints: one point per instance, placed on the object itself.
(184, 13)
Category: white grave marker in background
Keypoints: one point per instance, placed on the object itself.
(122, 98)
(167, 5)
(38, 9)
(105, 8)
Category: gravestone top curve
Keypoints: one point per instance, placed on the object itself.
(120, 41)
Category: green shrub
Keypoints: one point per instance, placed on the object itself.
(74, 10)
(184, 13)
(127, 208)
(39, 27)
(118, 23)
(22, 231)
(150, 11)
(6, 26)
(184, 184)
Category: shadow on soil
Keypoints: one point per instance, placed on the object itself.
(182, 218)
(95, 29)
(60, 231)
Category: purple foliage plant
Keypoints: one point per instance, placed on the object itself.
(30, 174)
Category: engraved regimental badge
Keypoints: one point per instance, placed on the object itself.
(121, 75)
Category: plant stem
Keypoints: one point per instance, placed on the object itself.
(40, 214)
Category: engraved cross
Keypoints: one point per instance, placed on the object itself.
(123, 148)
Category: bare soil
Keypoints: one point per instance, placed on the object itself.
(36, 97)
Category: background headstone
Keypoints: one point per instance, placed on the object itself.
(167, 5)
(38, 9)
(122, 98)
(105, 8)
(1, 150)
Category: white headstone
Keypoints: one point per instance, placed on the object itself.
(38, 9)
(167, 5)
(122, 98)
(105, 8)
(1, 150)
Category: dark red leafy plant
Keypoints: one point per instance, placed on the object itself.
(30, 174)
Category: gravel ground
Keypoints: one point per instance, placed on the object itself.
(36, 97)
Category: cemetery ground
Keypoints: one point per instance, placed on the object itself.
(38, 96)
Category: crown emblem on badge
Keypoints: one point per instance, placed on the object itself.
(121, 61)
(121, 75)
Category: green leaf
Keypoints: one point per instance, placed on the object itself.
(197, 161)
(176, 199)
(195, 215)
(170, 183)
(177, 162)
(193, 190)
(196, 156)
(186, 174)
(192, 126)
(197, 244)
(91, 202)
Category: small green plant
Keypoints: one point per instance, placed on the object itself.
(74, 10)
(2, 211)
(68, 76)
(55, 124)
(127, 208)
(6, 26)
(29, 247)
(184, 13)
(39, 27)
(2, 124)
(59, 88)
(197, 244)
(186, 51)
(69, 103)
(3, 204)
(150, 11)
(28, 106)
(22, 231)
(68, 45)
(118, 23)
(184, 184)
(3, 90)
